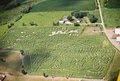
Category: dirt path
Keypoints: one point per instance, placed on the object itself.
(61, 78)
(100, 11)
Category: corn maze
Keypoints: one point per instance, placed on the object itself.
(61, 55)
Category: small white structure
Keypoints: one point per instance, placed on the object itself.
(61, 22)
(117, 31)
(68, 22)
(118, 39)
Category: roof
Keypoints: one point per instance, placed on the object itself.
(117, 31)
(118, 39)
(68, 22)
(118, 77)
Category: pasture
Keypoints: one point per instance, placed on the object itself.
(112, 17)
(111, 13)
(113, 4)
(87, 56)
(47, 18)
(64, 5)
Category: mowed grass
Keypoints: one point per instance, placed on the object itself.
(61, 55)
(112, 17)
(64, 5)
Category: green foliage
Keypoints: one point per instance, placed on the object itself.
(11, 24)
(23, 24)
(33, 24)
(19, 17)
(27, 9)
(92, 18)
(76, 24)
(70, 18)
(78, 14)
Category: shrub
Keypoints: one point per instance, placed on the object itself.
(9, 26)
(76, 24)
(2, 60)
(70, 18)
(35, 24)
(23, 24)
(18, 18)
(24, 72)
(55, 24)
(22, 52)
(79, 14)
(12, 24)
(45, 75)
(31, 23)
(117, 26)
(92, 18)
(72, 13)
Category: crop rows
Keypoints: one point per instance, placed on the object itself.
(61, 55)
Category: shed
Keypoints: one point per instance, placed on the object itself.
(117, 31)
(61, 22)
(118, 39)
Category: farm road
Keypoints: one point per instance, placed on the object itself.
(61, 78)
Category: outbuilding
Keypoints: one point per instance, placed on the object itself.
(118, 39)
(117, 31)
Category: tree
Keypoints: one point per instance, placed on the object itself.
(92, 18)
(23, 71)
(23, 24)
(78, 14)
(70, 18)
(22, 52)
(76, 24)
(72, 13)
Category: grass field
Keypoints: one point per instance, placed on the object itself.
(64, 5)
(112, 17)
(82, 55)
(61, 55)
(113, 4)
(47, 18)
(111, 13)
